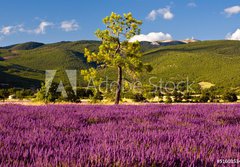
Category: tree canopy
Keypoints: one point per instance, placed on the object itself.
(116, 50)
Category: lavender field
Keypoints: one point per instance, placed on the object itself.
(144, 135)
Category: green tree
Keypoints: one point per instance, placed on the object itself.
(4, 94)
(51, 96)
(116, 51)
(230, 97)
(84, 93)
(19, 94)
(138, 97)
(177, 96)
(71, 97)
(205, 96)
(97, 96)
(168, 98)
(187, 96)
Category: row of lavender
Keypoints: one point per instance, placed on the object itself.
(147, 135)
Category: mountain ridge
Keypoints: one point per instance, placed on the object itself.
(216, 62)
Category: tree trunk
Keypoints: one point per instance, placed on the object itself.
(119, 85)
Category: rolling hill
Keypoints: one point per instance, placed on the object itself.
(214, 62)
(27, 46)
(26, 67)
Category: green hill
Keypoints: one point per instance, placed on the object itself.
(213, 62)
(217, 62)
(27, 46)
(30, 65)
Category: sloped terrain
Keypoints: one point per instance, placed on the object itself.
(214, 62)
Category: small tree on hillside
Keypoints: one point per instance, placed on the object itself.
(4, 94)
(177, 96)
(116, 50)
(230, 97)
(187, 96)
(51, 96)
(205, 97)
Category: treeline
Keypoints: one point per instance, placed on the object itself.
(204, 96)
(145, 95)
(16, 93)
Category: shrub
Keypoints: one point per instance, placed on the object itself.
(230, 97)
(149, 92)
(138, 97)
(177, 96)
(51, 96)
(71, 96)
(205, 97)
(187, 96)
(168, 99)
(97, 96)
(19, 94)
(84, 93)
(4, 94)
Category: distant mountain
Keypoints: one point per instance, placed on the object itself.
(151, 45)
(215, 62)
(171, 42)
(190, 40)
(157, 44)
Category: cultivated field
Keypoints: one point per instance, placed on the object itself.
(96, 135)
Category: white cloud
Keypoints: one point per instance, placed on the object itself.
(8, 30)
(151, 37)
(164, 12)
(41, 29)
(71, 25)
(192, 4)
(232, 10)
(152, 15)
(234, 36)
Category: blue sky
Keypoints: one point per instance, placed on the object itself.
(67, 20)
